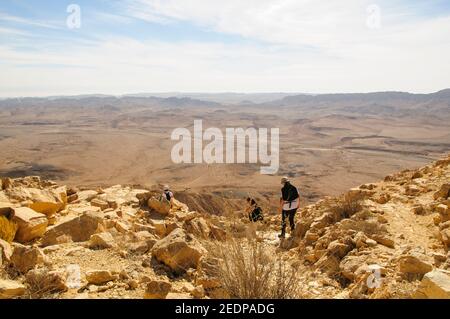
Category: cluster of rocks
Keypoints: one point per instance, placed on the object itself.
(381, 240)
(361, 234)
(160, 240)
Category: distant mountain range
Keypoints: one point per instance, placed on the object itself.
(100, 101)
(364, 97)
(383, 103)
(378, 103)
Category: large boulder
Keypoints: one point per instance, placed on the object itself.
(339, 249)
(197, 227)
(160, 227)
(443, 192)
(100, 203)
(143, 196)
(5, 252)
(444, 212)
(412, 190)
(159, 204)
(11, 289)
(101, 241)
(350, 264)
(358, 194)
(414, 263)
(78, 229)
(157, 289)
(31, 224)
(119, 195)
(444, 235)
(328, 264)
(179, 251)
(100, 277)
(434, 285)
(301, 228)
(86, 195)
(383, 239)
(178, 206)
(25, 258)
(45, 201)
(208, 273)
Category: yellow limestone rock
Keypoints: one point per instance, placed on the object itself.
(31, 224)
(78, 229)
(157, 289)
(434, 285)
(5, 252)
(178, 251)
(160, 205)
(101, 241)
(414, 263)
(100, 203)
(100, 277)
(10, 289)
(45, 201)
(26, 258)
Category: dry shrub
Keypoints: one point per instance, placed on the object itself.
(43, 283)
(8, 229)
(346, 207)
(251, 270)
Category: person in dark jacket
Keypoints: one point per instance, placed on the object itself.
(253, 210)
(289, 204)
(168, 194)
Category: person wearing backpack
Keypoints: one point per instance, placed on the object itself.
(289, 204)
(168, 194)
(254, 211)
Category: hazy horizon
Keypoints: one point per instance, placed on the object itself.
(181, 94)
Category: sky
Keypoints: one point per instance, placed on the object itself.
(57, 47)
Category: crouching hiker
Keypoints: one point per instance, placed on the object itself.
(254, 211)
(168, 194)
(289, 203)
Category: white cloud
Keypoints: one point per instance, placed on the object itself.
(325, 25)
(31, 22)
(112, 18)
(302, 46)
(295, 22)
(11, 31)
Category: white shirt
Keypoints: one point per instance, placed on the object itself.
(291, 205)
(168, 192)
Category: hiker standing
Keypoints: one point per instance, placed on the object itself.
(289, 203)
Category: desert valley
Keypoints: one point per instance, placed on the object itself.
(328, 143)
(82, 216)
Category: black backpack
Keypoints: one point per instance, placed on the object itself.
(256, 215)
(290, 192)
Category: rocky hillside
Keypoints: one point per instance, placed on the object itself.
(382, 240)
